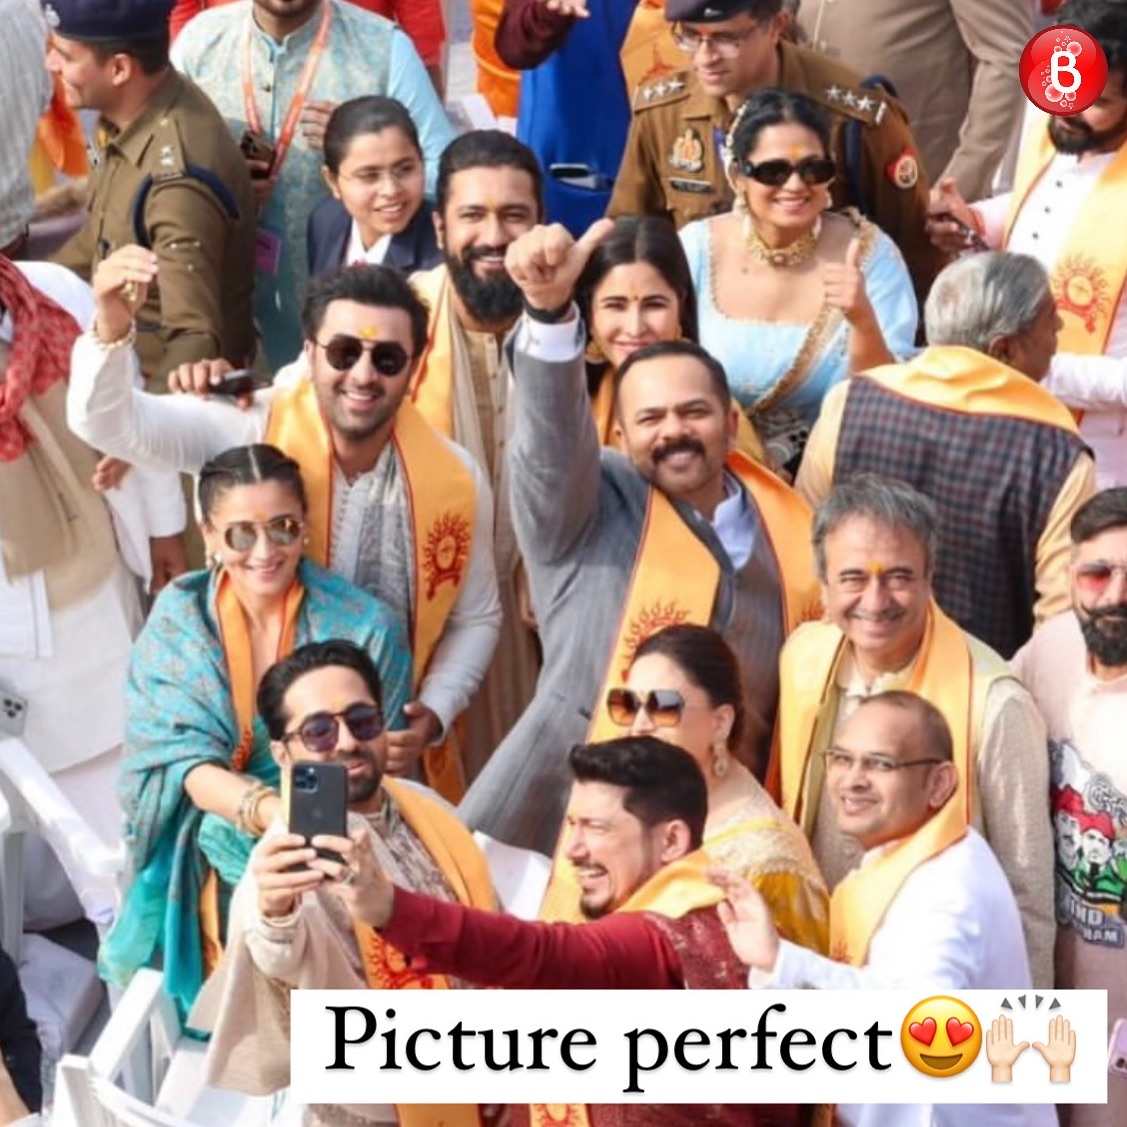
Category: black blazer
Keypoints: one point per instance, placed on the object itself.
(19, 1039)
(326, 237)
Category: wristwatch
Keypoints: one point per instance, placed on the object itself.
(549, 316)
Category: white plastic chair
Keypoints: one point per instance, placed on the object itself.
(89, 1091)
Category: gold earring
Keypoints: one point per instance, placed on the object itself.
(720, 759)
(594, 354)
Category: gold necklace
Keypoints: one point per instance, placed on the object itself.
(801, 250)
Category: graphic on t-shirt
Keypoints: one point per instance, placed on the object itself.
(1090, 828)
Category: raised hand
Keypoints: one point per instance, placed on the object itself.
(575, 8)
(748, 921)
(121, 284)
(546, 262)
(844, 285)
(1001, 1051)
(279, 888)
(357, 880)
(406, 745)
(1060, 1052)
(314, 117)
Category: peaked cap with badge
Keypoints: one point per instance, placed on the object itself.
(672, 165)
(108, 21)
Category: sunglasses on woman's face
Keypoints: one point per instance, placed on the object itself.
(282, 532)
(662, 706)
(775, 173)
(343, 353)
(321, 731)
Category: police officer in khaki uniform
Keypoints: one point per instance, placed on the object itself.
(672, 163)
(168, 176)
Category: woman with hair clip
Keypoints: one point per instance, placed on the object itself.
(374, 168)
(637, 290)
(198, 782)
(792, 297)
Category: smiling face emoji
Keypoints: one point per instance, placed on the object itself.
(941, 1036)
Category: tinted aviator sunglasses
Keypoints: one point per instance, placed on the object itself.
(662, 706)
(282, 532)
(811, 171)
(1094, 577)
(320, 732)
(343, 352)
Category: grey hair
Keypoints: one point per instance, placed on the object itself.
(886, 500)
(985, 296)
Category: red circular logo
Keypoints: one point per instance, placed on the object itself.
(1063, 70)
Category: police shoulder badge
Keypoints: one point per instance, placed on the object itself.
(446, 551)
(688, 151)
(904, 171)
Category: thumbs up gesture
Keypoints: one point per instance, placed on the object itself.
(546, 262)
(844, 285)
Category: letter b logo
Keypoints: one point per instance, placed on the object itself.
(1063, 70)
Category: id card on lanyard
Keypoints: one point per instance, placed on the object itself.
(268, 244)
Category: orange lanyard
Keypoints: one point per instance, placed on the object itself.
(305, 82)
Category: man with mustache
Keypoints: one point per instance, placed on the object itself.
(1067, 211)
(489, 191)
(875, 547)
(678, 527)
(1076, 669)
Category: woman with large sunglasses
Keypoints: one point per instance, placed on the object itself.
(198, 781)
(793, 298)
(684, 686)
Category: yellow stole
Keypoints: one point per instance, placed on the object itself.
(955, 378)
(945, 675)
(432, 388)
(662, 594)
(673, 891)
(461, 863)
(234, 636)
(1088, 279)
(440, 492)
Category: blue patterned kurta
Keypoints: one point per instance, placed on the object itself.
(180, 714)
(364, 54)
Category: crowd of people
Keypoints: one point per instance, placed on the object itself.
(693, 489)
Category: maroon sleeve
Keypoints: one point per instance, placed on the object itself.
(528, 33)
(618, 952)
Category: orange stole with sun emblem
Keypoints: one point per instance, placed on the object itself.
(1088, 279)
(442, 499)
(675, 580)
(462, 864)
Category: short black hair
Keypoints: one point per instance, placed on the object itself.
(773, 106)
(486, 148)
(248, 465)
(359, 117)
(276, 681)
(366, 285)
(689, 348)
(662, 781)
(1106, 22)
(934, 729)
(1105, 511)
(150, 53)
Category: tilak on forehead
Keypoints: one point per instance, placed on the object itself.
(368, 332)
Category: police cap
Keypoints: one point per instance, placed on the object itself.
(715, 11)
(108, 21)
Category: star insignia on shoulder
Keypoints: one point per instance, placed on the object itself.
(865, 104)
(834, 93)
(676, 84)
(849, 98)
(661, 89)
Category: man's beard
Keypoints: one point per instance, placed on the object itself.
(490, 301)
(1073, 137)
(1105, 634)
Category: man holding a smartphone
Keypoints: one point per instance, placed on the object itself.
(291, 924)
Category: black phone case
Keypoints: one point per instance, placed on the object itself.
(324, 811)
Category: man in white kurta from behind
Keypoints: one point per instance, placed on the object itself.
(929, 908)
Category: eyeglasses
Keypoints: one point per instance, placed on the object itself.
(775, 173)
(372, 177)
(343, 353)
(282, 532)
(662, 706)
(320, 732)
(1093, 578)
(837, 759)
(725, 43)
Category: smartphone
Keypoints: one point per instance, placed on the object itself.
(1117, 1049)
(242, 381)
(13, 712)
(317, 803)
(254, 146)
(974, 241)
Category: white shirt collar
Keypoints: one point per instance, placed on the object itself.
(356, 255)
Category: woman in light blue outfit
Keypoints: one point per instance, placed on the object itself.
(793, 298)
(198, 782)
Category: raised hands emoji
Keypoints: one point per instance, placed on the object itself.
(1001, 1051)
(1060, 1052)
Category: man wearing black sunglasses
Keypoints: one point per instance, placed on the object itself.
(672, 163)
(290, 923)
(393, 506)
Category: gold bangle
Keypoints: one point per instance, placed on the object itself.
(257, 828)
(126, 341)
(247, 804)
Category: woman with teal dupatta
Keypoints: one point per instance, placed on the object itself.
(198, 782)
